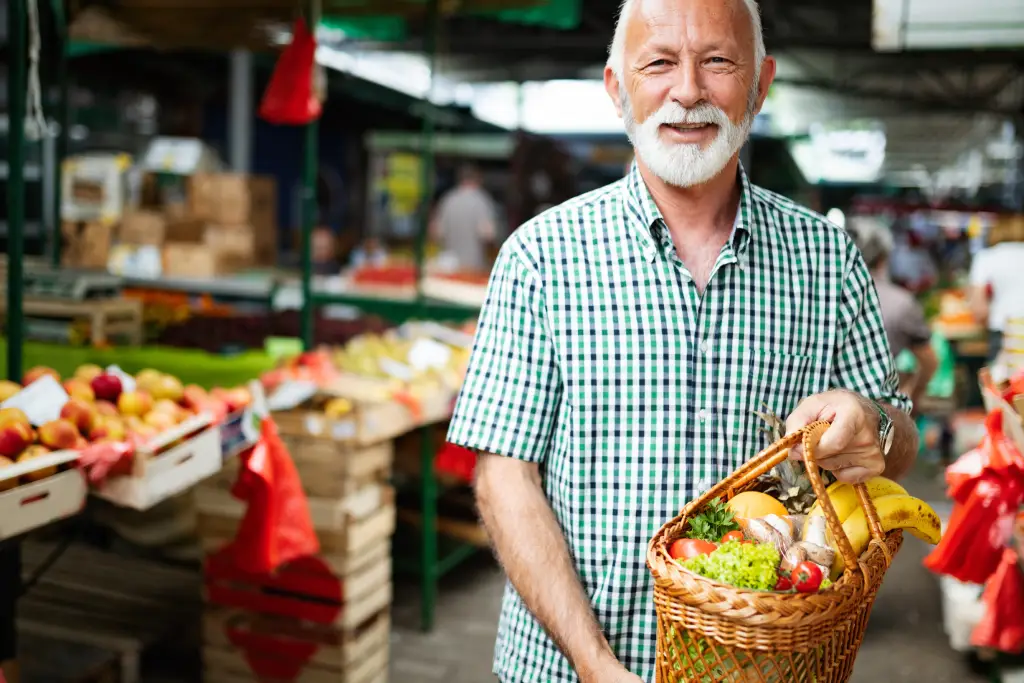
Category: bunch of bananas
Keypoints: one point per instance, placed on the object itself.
(896, 510)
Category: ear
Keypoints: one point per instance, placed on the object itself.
(767, 77)
(611, 86)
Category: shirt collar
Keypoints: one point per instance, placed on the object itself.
(644, 215)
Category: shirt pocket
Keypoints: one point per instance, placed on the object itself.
(772, 381)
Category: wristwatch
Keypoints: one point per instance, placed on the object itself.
(885, 428)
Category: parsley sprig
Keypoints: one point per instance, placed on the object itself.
(714, 522)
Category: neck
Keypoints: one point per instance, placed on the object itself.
(703, 209)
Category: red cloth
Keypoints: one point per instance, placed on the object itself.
(289, 98)
(1002, 626)
(456, 461)
(277, 527)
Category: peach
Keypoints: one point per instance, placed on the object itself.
(35, 452)
(166, 405)
(167, 387)
(15, 437)
(108, 429)
(193, 396)
(10, 482)
(59, 434)
(134, 403)
(8, 389)
(162, 421)
(9, 415)
(80, 413)
(107, 408)
(148, 377)
(79, 388)
(88, 372)
(38, 372)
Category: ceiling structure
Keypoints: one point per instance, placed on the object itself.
(936, 105)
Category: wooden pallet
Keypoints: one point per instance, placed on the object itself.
(51, 660)
(108, 318)
(99, 599)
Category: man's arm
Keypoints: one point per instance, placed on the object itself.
(530, 546)
(927, 364)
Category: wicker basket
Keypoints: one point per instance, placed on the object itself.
(709, 632)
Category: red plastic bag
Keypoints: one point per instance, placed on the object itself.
(106, 459)
(1002, 626)
(978, 530)
(277, 527)
(456, 461)
(290, 98)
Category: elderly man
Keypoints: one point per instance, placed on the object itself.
(629, 334)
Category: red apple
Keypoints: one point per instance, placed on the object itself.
(15, 437)
(59, 434)
(107, 408)
(106, 387)
(193, 396)
(79, 388)
(37, 373)
(80, 413)
(162, 421)
(108, 429)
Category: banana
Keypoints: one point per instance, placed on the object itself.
(844, 496)
(898, 511)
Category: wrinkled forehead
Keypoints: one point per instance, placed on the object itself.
(674, 25)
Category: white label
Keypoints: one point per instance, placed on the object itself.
(427, 353)
(259, 399)
(343, 430)
(127, 381)
(290, 395)
(397, 370)
(314, 425)
(41, 401)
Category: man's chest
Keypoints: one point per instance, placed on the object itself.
(648, 361)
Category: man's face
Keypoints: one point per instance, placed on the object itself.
(690, 85)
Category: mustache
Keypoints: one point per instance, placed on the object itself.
(672, 113)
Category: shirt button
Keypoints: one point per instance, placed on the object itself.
(704, 346)
(702, 415)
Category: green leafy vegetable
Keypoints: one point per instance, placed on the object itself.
(744, 565)
(714, 522)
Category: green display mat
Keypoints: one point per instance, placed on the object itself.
(190, 366)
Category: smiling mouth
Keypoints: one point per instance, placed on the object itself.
(688, 126)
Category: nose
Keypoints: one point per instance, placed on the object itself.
(687, 88)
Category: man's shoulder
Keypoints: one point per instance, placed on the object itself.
(789, 215)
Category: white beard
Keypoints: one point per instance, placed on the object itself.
(686, 164)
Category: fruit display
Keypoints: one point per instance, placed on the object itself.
(101, 409)
(752, 541)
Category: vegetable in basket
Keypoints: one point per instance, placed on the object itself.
(744, 565)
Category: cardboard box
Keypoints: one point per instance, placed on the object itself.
(142, 228)
(86, 244)
(221, 198)
(235, 240)
(94, 187)
(189, 260)
(263, 218)
(186, 230)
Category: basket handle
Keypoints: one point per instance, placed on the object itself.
(777, 453)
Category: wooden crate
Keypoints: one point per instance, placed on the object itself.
(107, 318)
(368, 424)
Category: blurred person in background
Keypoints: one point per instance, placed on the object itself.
(902, 315)
(465, 223)
(628, 332)
(996, 292)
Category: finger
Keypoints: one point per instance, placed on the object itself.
(840, 435)
(850, 458)
(855, 475)
(805, 413)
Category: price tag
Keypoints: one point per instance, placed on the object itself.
(41, 401)
(342, 431)
(127, 381)
(314, 425)
(427, 353)
(290, 395)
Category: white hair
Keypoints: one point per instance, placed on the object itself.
(617, 51)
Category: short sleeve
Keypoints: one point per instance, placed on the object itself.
(513, 387)
(863, 361)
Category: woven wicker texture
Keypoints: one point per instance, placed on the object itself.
(709, 632)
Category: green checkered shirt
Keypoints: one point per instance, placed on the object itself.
(597, 358)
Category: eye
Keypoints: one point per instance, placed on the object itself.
(658, 63)
(718, 61)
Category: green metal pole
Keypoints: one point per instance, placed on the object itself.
(10, 556)
(64, 124)
(429, 560)
(310, 163)
(15, 185)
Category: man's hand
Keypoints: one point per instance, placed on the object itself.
(850, 448)
(609, 671)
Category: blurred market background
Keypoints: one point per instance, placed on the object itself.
(176, 207)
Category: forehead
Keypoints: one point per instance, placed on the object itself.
(675, 24)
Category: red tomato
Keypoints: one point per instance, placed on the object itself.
(685, 548)
(733, 536)
(807, 577)
(783, 584)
